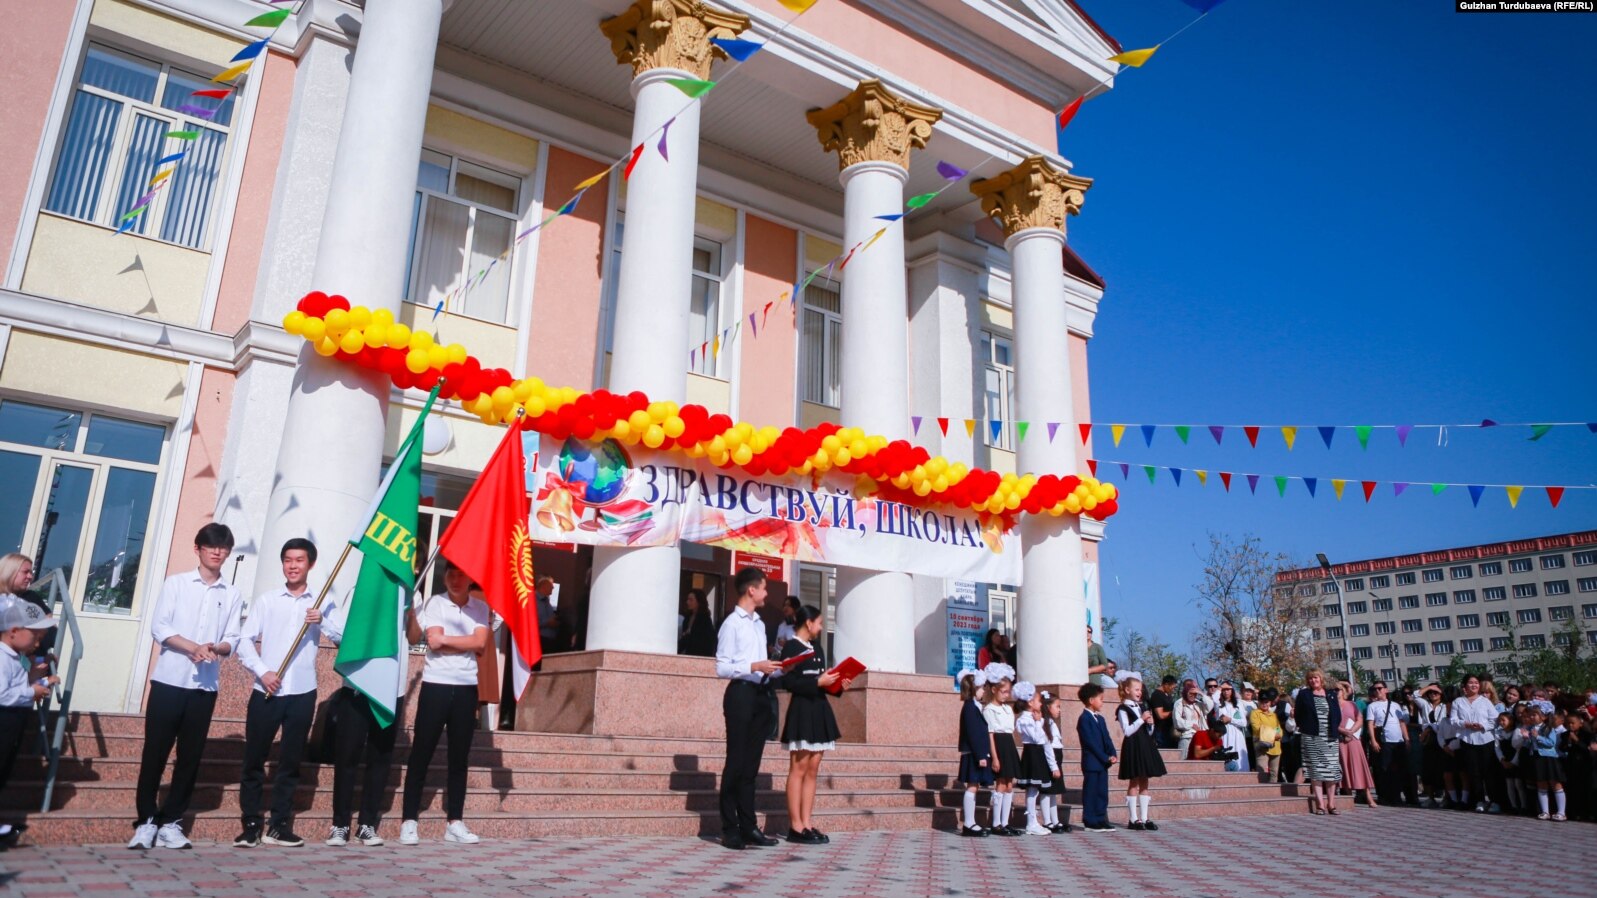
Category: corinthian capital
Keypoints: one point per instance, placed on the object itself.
(873, 125)
(670, 34)
(1033, 194)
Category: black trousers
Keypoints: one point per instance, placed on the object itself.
(14, 723)
(1393, 783)
(292, 715)
(357, 738)
(750, 711)
(441, 707)
(172, 715)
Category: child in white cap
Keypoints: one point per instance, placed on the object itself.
(21, 625)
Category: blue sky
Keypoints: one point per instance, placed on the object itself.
(1339, 213)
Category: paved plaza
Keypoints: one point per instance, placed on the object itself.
(1188, 858)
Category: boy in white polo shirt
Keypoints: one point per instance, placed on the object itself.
(22, 625)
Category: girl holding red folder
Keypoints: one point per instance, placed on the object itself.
(810, 729)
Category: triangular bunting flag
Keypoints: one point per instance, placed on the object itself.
(1475, 492)
(1402, 434)
(1065, 115)
(740, 50)
(914, 424)
(1555, 494)
(1147, 433)
(1591, 426)
(1203, 6)
(1252, 434)
(693, 87)
(1290, 434)
(1280, 485)
(1311, 483)
(942, 424)
(693, 358)
(1398, 488)
(715, 345)
(1326, 433)
(1537, 431)
(1125, 471)
(1182, 432)
(1117, 431)
(1437, 488)
(589, 182)
(232, 72)
(1134, 58)
(665, 131)
(161, 175)
(970, 427)
(1225, 478)
(1363, 433)
(182, 135)
(269, 19)
(1053, 428)
(1151, 471)
(1369, 488)
(250, 51)
(1218, 432)
(951, 172)
(1488, 422)
(174, 157)
(1513, 495)
(1176, 473)
(797, 6)
(995, 428)
(893, 217)
(1203, 477)
(1253, 483)
(1092, 465)
(637, 153)
(919, 200)
(1338, 486)
(754, 329)
(1086, 432)
(215, 93)
(874, 237)
(1020, 430)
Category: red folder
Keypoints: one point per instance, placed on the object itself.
(801, 657)
(847, 669)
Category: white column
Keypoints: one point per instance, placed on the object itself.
(332, 439)
(1052, 613)
(875, 609)
(634, 598)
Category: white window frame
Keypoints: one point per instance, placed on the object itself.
(831, 322)
(511, 180)
(986, 345)
(717, 279)
(719, 249)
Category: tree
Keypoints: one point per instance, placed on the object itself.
(1151, 657)
(1251, 628)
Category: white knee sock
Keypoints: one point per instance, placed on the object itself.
(1131, 807)
(1031, 806)
(1001, 812)
(970, 807)
(1050, 814)
(1558, 801)
(1143, 800)
(1541, 798)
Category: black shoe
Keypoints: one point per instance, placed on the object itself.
(1101, 828)
(732, 841)
(759, 839)
(250, 837)
(283, 837)
(802, 837)
(819, 837)
(974, 832)
(1150, 826)
(1135, 824)
(1059, 828)
(1001, 831)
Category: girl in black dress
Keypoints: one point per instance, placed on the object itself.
(1139, 756)
(811, 729)
(975, 748)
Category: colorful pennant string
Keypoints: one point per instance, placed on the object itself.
(694, 88)
(736, 48)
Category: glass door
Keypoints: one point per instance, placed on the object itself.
(59, 543)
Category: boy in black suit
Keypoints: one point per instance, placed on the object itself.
(1097, 756)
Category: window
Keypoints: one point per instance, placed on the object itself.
(1587, 584)
(1552, 562)
(1591, 636)
(1332, 609)
(1413, 648)
(1519, 566)
(704, 306)
(1434, 575)
(1333, 632)
(1413, 626)
(1306, 589)
(1443, 647)
(1380, 581)
(1388, 651)
(1469, 646)
(1408, 601)
(1557, 587)
(1588, 611)
(1405, 579)
(1491, 569)
(1524, 590)
(1363, 653)
(1533, 641)
(1463, 596)
(1435, 599)
(1353, 585)
(1461, 572)
(1530, 615)
(823, 342)
(1385, 628)
(1360, 630)
(1339, 654)
(1469, 621)
(1497, 619)
(1561, 612)
(464, 218)
(1564, 639)
(1494, 593)
(1315, 634)
(1327, 589)
(1583, 559)
(998, 389)
(84, 485)
(1419, 673)
(1441, 623)
(1383, 604)
(1502, 643)
(116, 136)
(1358, 607)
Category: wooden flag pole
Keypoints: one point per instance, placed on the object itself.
(305, 626)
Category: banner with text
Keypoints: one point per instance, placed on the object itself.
(606, 494)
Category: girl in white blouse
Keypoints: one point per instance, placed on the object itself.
(1000, 717)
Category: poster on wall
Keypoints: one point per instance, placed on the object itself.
(967, 625)
(1089, 588)
(607, 494)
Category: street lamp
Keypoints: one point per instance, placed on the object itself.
(1347, 647)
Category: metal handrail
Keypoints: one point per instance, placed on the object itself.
(61, 598)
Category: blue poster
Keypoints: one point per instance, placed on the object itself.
(967, 625)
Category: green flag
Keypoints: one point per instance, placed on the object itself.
(372, 655)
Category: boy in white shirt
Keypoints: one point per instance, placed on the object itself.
(22, 625)
(196, 625)
(287, 621)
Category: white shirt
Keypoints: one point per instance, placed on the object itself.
(1129, 716)
(1474, 710)
(199, 613)
(1000, 717)
(740, 643)
(1032, 733)
(1387, 718)
(452, 668)
(275, 619)
(16, 684)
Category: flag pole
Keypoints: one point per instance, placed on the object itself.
(305, 625)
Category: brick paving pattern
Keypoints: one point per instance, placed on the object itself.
(1224, 855)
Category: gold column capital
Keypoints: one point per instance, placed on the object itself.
(670, 34)
(1033, 194)
(873, 125)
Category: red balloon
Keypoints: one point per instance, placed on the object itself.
(337, 302)
(583, 429)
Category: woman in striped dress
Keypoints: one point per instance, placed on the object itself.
(1319, 718)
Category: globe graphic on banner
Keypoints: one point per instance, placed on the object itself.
(602, 468)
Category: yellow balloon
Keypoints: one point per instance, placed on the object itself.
(352, 342)
(654, 436)
(939, 484)
(923, 487)
(383, 317)
(733, 438)
(674, 426)
(398, 337)
(831, 443)
(503, 398)
(842, 457)
(437, 357)
(657, 412)
(1089, 503)
(293, 321)
(360, 317)
(743, 454)
(620, 430)
(901, 481)
(314, 329)
(640, 420)
(326, 346)
(337, 321)
(376, 335)
(719, 459)
(420, 340)
(416, 361)
(717, 446)
(535, 406)
(457, 355)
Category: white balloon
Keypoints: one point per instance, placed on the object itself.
(436, 436)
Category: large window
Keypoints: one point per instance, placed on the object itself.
(823, 342)
(1491, 569)
(1470, 646)
(998, 389)
(463, 219)
(704, 305)
(116, 139)
(79, 491)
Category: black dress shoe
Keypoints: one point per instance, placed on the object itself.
(801, 837)
(1150, 826)
(974, 832)
(733, 842)
(1135, 824)
(757, 838)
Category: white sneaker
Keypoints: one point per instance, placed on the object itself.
(457, 832)
(1037, 829)
(339, 837)
(171, 836)
(144, 836)
(407, 833)
(368, 836)
(1480, 807)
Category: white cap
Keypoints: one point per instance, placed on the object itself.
(1023, 691)
(19, 612)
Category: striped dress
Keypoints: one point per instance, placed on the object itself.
(1320, 756)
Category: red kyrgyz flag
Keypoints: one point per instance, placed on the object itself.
(488, 541)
